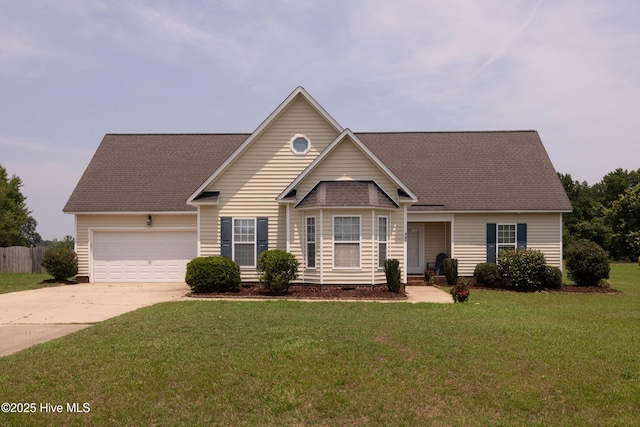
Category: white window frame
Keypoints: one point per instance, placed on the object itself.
(254, 243)
(294, 138)
(307, 242)
(384, 241)
(338, 242)
(503, 245)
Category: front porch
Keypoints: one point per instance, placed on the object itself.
(425, 241)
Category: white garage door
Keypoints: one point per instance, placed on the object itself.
(151, 256)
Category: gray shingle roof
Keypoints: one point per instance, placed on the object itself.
(500, 170)
(149, 173)
(347, 193)
(447, 170)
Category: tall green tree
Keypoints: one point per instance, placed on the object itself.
(624, 218)
(605, 213)
(14, 215)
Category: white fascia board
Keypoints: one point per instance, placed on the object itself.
(265, 124)
(137, 213)
(364, 149)
(487, 211)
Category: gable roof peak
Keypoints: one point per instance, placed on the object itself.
(299, 91)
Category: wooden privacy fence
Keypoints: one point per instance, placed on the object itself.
(18, 259)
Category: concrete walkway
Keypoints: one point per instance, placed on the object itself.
(427, 294)
(31, 317)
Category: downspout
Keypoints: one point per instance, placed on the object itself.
(404, 247)
(303, 244)
(321, 243)
(288, 221)
(373, 248)
(198, 252)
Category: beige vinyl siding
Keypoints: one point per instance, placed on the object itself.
(209, 231)
(250, 185)
(347, 161)
(470, 236)
(139, 221)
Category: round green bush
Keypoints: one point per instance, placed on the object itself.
(488, 275)
(277, 269)
(587, 263)
(61, 263)
(212, 274)
(523, 270)
(552, 277)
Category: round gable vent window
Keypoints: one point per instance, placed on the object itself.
(300, 144)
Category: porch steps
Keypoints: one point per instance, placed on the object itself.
(418, 280)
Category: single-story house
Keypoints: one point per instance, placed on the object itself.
(342, 202)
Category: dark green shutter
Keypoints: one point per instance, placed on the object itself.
(225, 236)
(263, 234)
(491, 242)
(521, 236)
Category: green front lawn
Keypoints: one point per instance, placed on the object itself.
(14, 282)
(500, 359)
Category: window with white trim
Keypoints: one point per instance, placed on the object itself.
(311, 242)
(346, 241)
(244, 242)
(383, 233)
(506, 239)
(299, 144)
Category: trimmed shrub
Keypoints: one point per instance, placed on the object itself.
(587, 263)
(487, 274)
(212, 274)
(451, 271)
(552, 277)
(523, 270)
(277, 269)
(392, 273)
(61, 263)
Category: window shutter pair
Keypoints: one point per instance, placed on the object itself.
(521, 240)
(226, 235)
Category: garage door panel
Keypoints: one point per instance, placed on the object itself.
(153, 256)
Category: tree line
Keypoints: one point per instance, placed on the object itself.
(607, 213)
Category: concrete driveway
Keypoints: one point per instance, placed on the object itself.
(31, 317)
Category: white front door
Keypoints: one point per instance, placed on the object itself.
(415, 249)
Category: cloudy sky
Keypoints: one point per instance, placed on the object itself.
(73, 70)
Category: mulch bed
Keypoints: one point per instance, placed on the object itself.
(588, 290)
(570, 289)
(297, 292)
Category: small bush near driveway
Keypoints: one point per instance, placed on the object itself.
(61, 263)
(212, 274)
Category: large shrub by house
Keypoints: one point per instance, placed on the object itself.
(523, 270)
(278, 269)
(61, 263)
(212, 274)
(587, 263)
